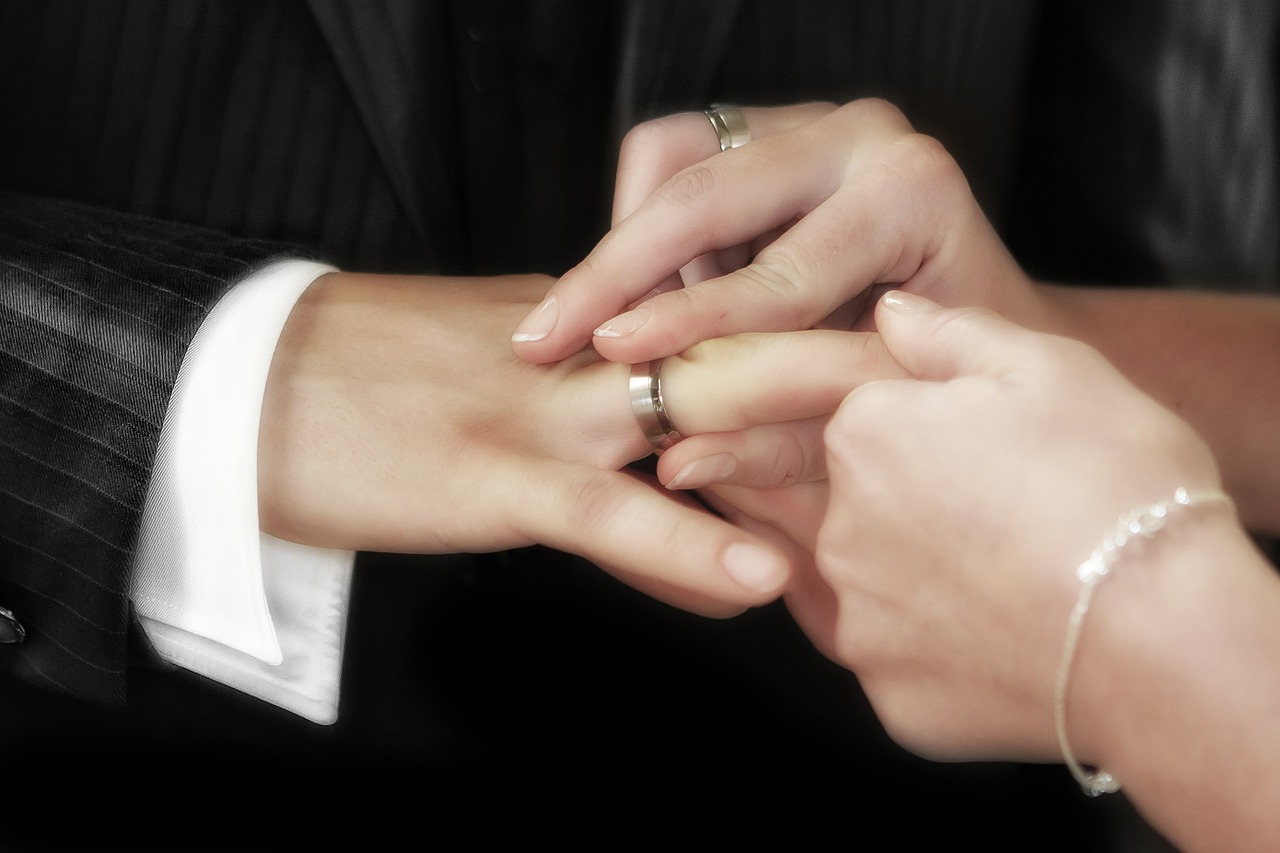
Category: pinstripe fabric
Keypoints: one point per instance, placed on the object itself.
(96, 309)
(310, 123)
(933, 58)
(315, 124)
(163, 108)
(1160, 159)
(235, 119)
(230, 114)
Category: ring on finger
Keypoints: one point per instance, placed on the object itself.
(645, 386)
(730, 125)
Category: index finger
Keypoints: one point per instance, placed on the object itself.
(724, 201)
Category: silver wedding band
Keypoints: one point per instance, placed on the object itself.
(645, 386)
(730, 125)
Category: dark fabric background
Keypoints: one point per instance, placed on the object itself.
(525, 697)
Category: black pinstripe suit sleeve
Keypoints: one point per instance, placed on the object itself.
(97, 308)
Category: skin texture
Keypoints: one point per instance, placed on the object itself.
(826, 209)
(828, 205)
(947, 510)
(397, 419)
(959, 506)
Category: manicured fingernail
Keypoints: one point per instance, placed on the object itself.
(539, 323)
(704, 472)
(624, 324)
(901, 302)
(754, 568)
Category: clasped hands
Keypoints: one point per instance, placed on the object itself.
(887, 398)
(902, 443)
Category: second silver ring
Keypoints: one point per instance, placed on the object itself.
(730, 125)
(645, 386)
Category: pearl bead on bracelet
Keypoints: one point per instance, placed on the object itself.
(1146, 521)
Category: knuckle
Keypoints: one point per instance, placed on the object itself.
(831, 559)
(873, 111)
(645, 138)
(690, 187)
(810, 111)
(779, 276)
(826, 555)
(922, 146)
(849, 433)
(924, 160)
(837, 435)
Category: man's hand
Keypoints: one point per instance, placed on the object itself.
(397, 419)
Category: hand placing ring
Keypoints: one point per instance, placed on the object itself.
(646, 378)
(647, 405)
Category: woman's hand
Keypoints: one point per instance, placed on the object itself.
(962, 500)
(794, 230)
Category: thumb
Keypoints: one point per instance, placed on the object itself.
(936, 343)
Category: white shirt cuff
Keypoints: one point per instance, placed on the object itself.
(214, 594)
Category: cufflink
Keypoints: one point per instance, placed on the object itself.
(11, 630)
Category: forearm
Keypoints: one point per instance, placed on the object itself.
(1213, 358)
(1181, 689)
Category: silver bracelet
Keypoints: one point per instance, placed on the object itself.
(1145, 521)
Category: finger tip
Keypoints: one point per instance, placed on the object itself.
(528, 346)
(757, 569)
(533, 350)
(616, 350)
(716, 469)
(554, 346)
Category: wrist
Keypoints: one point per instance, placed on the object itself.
(1161, 625)
(288, 419)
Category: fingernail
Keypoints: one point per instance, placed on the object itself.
(754, 568)
(704, 472)
(901, 302)
(624, 324)
(539, 323)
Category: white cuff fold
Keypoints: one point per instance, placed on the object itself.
(214, 594)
